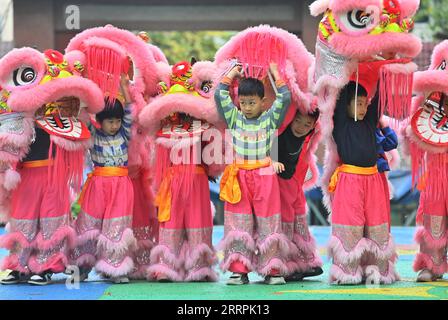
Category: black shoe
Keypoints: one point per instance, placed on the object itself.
(238, 279)
(40, 279)
(12, 278)
(298, 276)
(313, 272)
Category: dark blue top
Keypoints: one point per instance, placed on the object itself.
(386, 140)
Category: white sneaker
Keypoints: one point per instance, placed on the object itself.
(120, 280)
(274, 280)
(40, 279)
(426, 276)
(238, 279)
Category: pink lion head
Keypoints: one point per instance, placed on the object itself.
(109, 51)
(185, 108)
(33, 79)
(429, 124)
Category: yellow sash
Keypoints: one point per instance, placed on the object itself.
(230, 190)
(347, 168)
(102, 172)
(163, 197)
(36, 163)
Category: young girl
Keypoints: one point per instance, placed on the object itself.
(249, 186)
(104, 225)
(291, 167)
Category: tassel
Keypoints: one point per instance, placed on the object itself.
(395, 93)
(104, 67)
(258, 50)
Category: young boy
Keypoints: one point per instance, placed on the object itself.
(104, 225)
(249, 186)
(303, 260)
(361, 246)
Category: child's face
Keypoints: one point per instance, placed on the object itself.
(111, 126)
(361, 108)
(302, 125)
(251, 106)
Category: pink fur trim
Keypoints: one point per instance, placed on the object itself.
(308, 246)
(232, 236)
(409, 7)
(74, 56)
(369, 45)
(140, 273)
(274, 263)
(87, 236)
(318, 7)
(271, 240)
(292, 266)
(389, 252)
(163, 252)
(199, 254)
(17, 58)
(33, 98)
(145, 244)
(430, 81)
(61, 234)
(122, 270)
(86, 260)
(164, 270)
(9, 241)
(11, 262)
(202, 274)
(373, 275)
(423, 236)
(338, 276)
(159, 56)
(424, 261)
(438, 54)
(72, 145)
(336, 249)
(125, 244)
(140, 52)
(162, 107)
(11, 179)
(227, 262)
(347, 5)
(59, 259)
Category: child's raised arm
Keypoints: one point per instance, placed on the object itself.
(283, 98)
(127, 119)
(222, 97)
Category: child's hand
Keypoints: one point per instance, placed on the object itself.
(278, 167)
(234, 72)
(124, 85)
(273, 68)
(382, 123)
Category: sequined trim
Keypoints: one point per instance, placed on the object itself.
(199, 235)
(348, 235)
(288, 229)
(435, 224)
(379, 234)
(26, 227)
(172, 238)
(49, 226)
(238, 222)
(329, 63)
(301, 227)
(84, 222)
(267, 226)
(113, 228)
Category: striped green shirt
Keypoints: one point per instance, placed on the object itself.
(252, 138)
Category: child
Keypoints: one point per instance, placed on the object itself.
(360, 246)
(104, 225)
(303, 260)
(249, 186)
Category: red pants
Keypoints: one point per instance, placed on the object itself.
(361, 245)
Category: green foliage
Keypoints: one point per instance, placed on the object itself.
(182, 45)
(436, 13)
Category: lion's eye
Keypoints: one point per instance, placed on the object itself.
(23, 76)
(206, 86)
(356, 21)
(442, 65)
